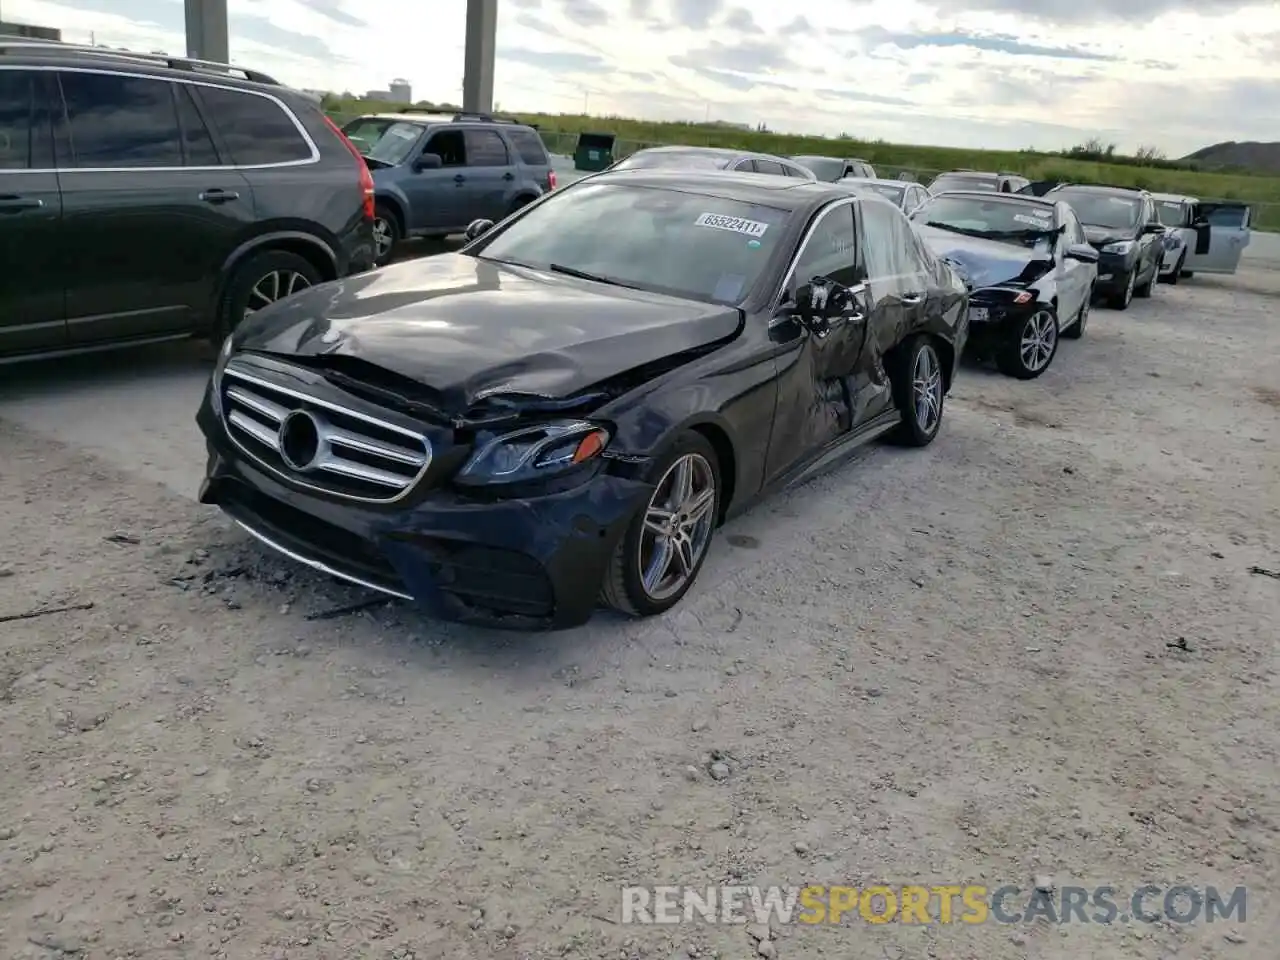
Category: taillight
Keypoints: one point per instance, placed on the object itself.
(551, 179)
(366, 178)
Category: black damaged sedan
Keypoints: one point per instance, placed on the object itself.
(1028, 266)
(564, 411)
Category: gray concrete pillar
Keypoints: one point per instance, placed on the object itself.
(482, 43)
(207, 30)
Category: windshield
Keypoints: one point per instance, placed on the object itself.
(1112, 211)
(824, 168)
(687, 244)
(958, 182)
(1006, 220)
(889, 191)
(685, 159)
(390, 141)
(1172, 213)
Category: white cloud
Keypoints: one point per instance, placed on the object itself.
(1179, 82)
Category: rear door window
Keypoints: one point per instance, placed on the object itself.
(197, 146)
(771, 167)
(255, 129)
(25, 135)
(120, 122)
(484, 148)
(529, 146)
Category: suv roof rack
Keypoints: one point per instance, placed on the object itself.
(18, 44)
(481, 117)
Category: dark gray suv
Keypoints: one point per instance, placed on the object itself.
(145, 198)
(436, 173)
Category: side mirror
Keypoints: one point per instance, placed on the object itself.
(428, 161)
(1082, 252)
(1200, 223)
(1153, 228)
(477, 228)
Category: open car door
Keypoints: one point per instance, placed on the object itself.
(1222, 233)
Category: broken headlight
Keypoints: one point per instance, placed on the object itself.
(535, 452)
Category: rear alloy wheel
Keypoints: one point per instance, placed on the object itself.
(1121, 301)
(386, 234)
(919, 387)
(1031, 349)
(260, 281)
(1076, 330)
(661, 553)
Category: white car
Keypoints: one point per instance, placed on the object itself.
(1200, 237)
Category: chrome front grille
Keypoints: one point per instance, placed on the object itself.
(319, 444)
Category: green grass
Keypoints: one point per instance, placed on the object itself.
(560, 132)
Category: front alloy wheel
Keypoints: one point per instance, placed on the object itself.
(664, 548)
(1121, 301)
(1027, 353)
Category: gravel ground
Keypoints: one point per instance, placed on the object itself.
(1034, 650)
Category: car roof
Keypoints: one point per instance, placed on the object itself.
(1178, 197)
(55, 53)
(1022, 198)
(1095, 188)
(888, 181)
(969, 173)
(768, 190)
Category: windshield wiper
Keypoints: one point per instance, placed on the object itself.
(584, 275)
(954, 229)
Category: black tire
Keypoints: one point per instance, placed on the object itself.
(386, 224)
(1187, 274)
(240, 295)
(519, 204)
(916, 429)
(1145, 290)
(1121, 300)
(624, 588)
(1009, 356)
(1076, 330)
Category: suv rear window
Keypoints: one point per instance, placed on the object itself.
(255, 130)
(529, 145)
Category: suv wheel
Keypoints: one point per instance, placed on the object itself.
(260, 281)
(1146, 289)
(386, 233)
(1121, 301)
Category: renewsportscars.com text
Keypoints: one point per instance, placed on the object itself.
(965, 904)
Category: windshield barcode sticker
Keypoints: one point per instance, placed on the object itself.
(751, 228)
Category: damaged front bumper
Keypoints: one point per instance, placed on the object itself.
(533, 563)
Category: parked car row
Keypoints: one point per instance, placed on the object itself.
(565, 410)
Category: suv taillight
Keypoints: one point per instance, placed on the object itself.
(366, 178)
(551, 179)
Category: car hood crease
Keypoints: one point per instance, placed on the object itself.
(469, 329)
(982, 262)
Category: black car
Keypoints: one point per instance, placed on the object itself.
(1029, 270)
(145, 198)
(832, 169)
(712, 158)
(564, 410)
(1123, 225)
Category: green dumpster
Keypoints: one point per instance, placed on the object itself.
(594, 151)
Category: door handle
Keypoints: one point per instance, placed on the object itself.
(219, 196)
(459, 178)
(912, 298)
(17, 204)
(508, 175)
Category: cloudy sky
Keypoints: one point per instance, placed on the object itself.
(1177, 74)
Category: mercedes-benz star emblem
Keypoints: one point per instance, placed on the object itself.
(299, 439)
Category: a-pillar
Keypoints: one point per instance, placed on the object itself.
(482, 43)
(207, 30)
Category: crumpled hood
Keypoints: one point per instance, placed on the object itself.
(1101, 236)
(981, 262)
(468, 328)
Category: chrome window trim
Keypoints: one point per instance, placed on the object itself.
(787, 277)
(302, 397)
(302, 131)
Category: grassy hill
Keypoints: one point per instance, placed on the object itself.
(560, 132)
(1249, 155)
